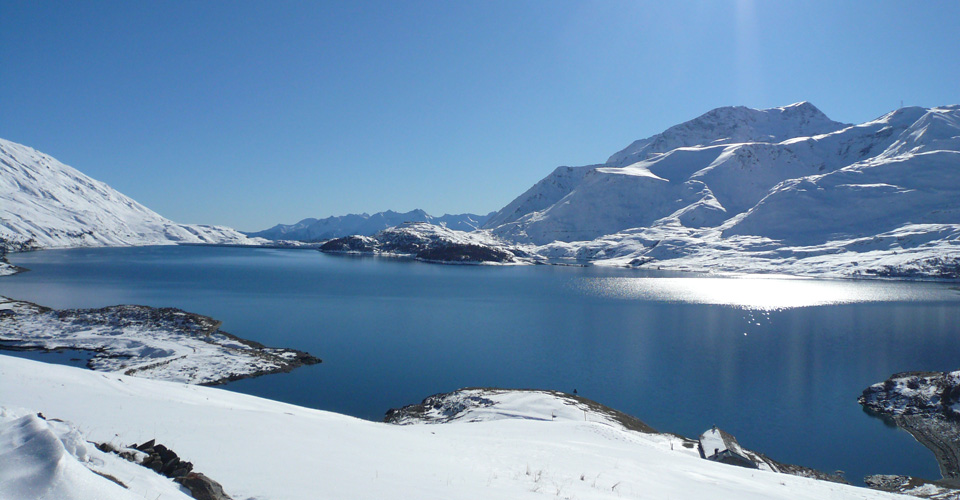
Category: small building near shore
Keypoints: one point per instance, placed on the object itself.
(718, 446)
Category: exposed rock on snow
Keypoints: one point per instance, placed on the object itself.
(365, 225)
(778, 190)
(202, 487)
(165, 344)
(432, 243)
(927, 405)
(46, 204)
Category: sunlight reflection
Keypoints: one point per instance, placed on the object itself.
(762, 293)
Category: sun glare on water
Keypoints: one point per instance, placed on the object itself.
(761, 293)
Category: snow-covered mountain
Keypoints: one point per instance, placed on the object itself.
(364, 225)
(722, 126)
(746, 189)
(46, 204)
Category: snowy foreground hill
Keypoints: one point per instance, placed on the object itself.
(46, 204)
(531, 446)
(782, 190)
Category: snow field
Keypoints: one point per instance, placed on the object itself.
(265, 449)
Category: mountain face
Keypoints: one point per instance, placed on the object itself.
(365, 225)
(46, 204)
(781, 184)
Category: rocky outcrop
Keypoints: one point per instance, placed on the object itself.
(915, 393)
(430, 243)
(6, 268)
(354, 243)
(202, 487)
(927, 405)
(165, 462)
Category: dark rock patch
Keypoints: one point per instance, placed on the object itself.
(166, 462)
(349, 244)
(458, 252)
(202, 487)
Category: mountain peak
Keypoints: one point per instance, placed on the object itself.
(731, 125)
(802, 108)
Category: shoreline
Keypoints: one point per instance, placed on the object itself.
(927, 406)
(157, 343)
(661, 266)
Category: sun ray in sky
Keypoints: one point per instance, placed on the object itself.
(749, 71)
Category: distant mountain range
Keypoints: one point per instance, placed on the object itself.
(46, 204)
(784, 190)
(365, 225)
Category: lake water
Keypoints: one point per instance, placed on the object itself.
(777, 362)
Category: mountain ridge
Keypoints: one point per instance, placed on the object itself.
(776, 190)
(47, 204)
(364, 224)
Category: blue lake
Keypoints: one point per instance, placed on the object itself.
(777, 362)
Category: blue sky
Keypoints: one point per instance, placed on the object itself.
(254, 113)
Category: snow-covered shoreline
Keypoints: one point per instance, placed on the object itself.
(927, 405)
(259, 448)
(163, 344)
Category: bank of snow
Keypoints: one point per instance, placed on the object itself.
(264, 449)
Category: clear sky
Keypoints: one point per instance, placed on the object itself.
(254, 113)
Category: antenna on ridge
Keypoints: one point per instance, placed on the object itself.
(901, 103)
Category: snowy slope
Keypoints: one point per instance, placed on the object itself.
(364, 225)
(264, 449)
(46, 204)
(916, 180)
(730, 125)
(782, 189)
(721, 126)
